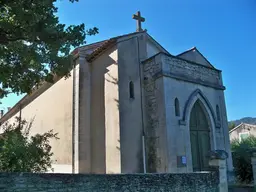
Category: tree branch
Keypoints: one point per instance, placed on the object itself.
(4, 39)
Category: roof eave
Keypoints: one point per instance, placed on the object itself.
(97, 52)
(28, 98)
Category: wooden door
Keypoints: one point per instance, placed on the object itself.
(199, 138)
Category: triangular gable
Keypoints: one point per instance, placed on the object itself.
(194, 55)
(242, 126)
(153, 47)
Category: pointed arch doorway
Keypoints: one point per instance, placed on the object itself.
(199, 137)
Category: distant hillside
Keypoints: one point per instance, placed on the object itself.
(249, 120)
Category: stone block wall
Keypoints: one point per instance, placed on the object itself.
(192, 71)
(152, 101)
(29, 182)
(240, 188)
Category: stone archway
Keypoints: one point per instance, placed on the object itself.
(200, 139)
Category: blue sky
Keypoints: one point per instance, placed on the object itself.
(224, 32)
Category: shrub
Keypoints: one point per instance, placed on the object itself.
(21, 152)
(241, 152)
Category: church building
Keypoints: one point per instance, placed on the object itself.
(130, 106)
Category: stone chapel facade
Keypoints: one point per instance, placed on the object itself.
(129, 107)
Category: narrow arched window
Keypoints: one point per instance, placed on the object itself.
(177, 107)
(131, 90)
(218, 112)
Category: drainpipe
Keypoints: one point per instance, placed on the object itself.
(144, 153)
(142, 114)
(73, 115)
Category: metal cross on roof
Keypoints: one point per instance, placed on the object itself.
(139, 19)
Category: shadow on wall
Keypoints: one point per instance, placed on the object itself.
(118, 148)
(114, 81)
(101, 73)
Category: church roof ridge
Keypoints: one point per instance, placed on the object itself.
(87, 46)
(102, 45)
(108, 43)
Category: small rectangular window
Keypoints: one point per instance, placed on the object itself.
(131, 90)
(243, 135)
(177, 107)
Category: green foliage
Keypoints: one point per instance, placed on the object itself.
(231, 125)
(34, 45)
(241, 151)
(20, 152)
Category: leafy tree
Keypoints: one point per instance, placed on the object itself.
(20, 152)
(231, 125)
(241, 153)
(34, 46)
